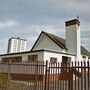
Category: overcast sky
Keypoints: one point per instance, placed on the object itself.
(27, 18)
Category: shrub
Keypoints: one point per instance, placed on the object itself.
(3, 80)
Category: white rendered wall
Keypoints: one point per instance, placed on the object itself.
(47, 56)
(73, 40)
(42, 55)
(85, 59)
(25, 56)
(46, 43)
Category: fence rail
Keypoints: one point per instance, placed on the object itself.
(42, 75)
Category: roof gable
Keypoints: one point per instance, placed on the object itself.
(46, 41)
(60, 42)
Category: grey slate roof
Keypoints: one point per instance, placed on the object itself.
(62, 43)
(58, 40)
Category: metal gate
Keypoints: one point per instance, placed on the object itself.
(70, 76)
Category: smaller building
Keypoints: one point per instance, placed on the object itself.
(16, 45)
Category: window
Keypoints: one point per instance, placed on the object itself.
(66, 60)
(17, 59)
(53, 60)
(12, 59)
(88, 57)
(84, 57)
(33, 57)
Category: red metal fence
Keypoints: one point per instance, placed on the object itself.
(73, 76)
(45, 76)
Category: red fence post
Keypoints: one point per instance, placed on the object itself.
(46, 72)
(8, 74)
(36, 76)
(88, 74)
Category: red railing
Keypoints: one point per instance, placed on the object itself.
(45, 76)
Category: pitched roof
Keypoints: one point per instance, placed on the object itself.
(62, 43)
(58, 40)
(84, 51)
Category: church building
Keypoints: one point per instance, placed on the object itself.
(54, 48)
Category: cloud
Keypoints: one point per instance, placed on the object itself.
(27, 18)
(8, 24)
(3, 45)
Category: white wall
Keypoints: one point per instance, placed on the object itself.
(73, 40)
(42, 55)
(85, 59)
(47, 56)
(25, 55)
(46, 43)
